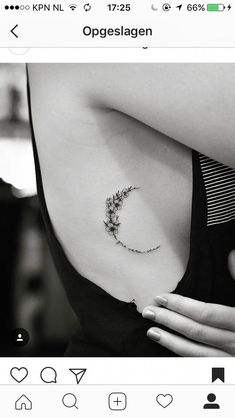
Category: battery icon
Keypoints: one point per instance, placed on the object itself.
(215, 7)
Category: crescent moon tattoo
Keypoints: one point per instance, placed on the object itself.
(113, 206)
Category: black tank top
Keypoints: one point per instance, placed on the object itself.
(110, 327)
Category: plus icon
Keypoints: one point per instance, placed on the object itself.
(117, 401)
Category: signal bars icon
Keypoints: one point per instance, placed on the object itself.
(73, 7)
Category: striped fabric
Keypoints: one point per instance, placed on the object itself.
(219, 183)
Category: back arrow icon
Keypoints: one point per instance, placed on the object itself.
(12, 31)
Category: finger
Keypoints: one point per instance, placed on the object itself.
(206, 313)
(231, 263)
(193, 330)
(183, 347)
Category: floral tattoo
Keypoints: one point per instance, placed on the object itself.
(113, 206)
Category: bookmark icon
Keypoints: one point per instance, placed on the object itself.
(79, 373)
(218, 373)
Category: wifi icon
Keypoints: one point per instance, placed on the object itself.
(73, 7)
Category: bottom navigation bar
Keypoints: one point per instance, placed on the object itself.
(131, 401)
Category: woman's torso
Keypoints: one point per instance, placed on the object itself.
(88, 153)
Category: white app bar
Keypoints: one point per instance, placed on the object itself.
(145, 24)
(119, 371)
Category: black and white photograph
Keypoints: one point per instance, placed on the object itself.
(117, 210)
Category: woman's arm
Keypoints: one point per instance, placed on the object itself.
(192, 103)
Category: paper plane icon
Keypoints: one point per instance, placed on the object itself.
(79, 373)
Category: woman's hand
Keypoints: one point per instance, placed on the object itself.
(207, 330)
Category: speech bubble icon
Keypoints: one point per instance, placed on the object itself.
(48, 375)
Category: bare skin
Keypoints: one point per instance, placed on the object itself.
(102, 128)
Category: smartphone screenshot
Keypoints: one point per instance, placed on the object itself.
(117, 208)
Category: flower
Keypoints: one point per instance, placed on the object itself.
(109, 201)
(110, 211)
(114, 204)
(125, 192)
(117, 203)
(111, 227)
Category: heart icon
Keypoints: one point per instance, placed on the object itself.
(164, 400)
(19, 374)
